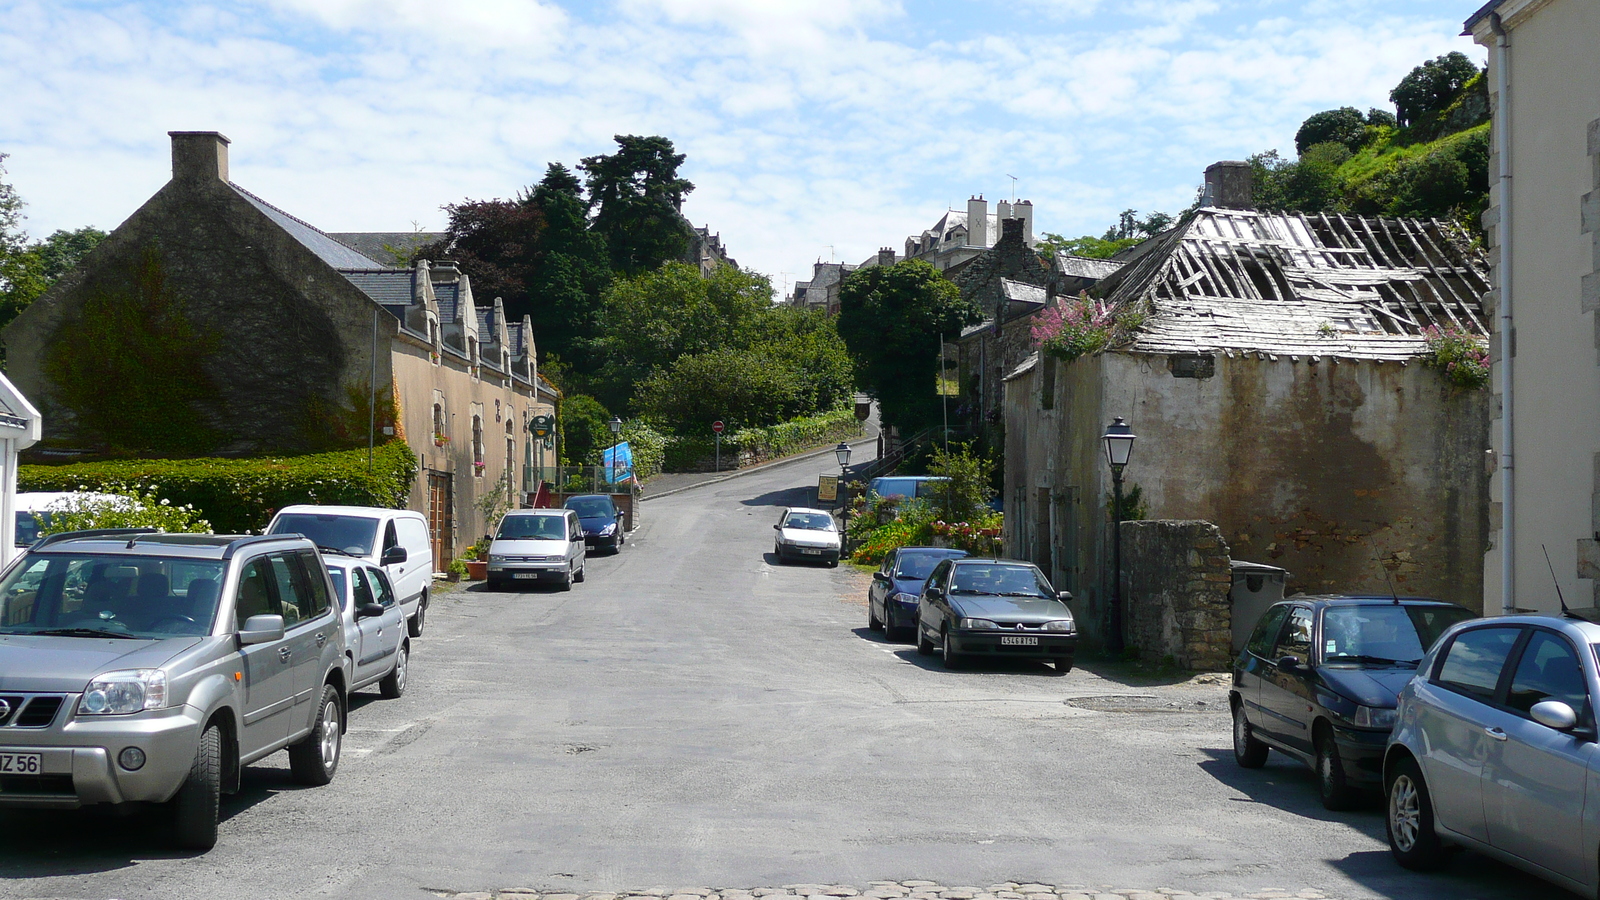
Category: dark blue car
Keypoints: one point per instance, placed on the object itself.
(892, 599)
(602, 522)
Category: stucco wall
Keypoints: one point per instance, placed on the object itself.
(1555, 158)
(1324, 469)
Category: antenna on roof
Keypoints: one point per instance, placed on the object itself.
(1013, 187)
(1564, 611)
(1392, 595)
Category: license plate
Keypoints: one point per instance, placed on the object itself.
(1019, 640)
(812, 552)
(529, 575)
(20, 763)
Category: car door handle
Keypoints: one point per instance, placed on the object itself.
(1496, 733)
(322, 638)
(283, 653)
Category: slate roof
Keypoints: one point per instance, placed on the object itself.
(372, 243)
(448, 294)
(1022, 292)
(486, 331)
(1286, 283)
(386, 286)
(515, 336)
(1085, 267)
(329, 250)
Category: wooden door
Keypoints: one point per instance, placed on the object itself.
(441, 520)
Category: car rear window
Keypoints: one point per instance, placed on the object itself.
(352, 534)
(917, 565)
(591, 507)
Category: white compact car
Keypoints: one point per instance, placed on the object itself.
(807, 534)
(537, 545)
(377, 648)
(395, 540)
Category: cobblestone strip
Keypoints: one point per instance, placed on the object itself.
(896, 890)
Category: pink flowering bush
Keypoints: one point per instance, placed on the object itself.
(1462, 357)
(1074, 328)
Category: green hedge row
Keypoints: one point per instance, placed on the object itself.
(752, 445)
(240, 495)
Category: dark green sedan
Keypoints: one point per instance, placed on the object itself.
(996, 608)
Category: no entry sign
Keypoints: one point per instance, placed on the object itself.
(717, 426)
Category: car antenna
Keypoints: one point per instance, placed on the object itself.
(1565, 613)
(1392, 595)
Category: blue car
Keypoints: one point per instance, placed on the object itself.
(602, 522)
(892, 599)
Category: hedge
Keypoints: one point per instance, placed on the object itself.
(751, 445)
(240, 495)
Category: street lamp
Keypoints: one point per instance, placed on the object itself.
(1119, 439)
(616, 429)
(842, 453)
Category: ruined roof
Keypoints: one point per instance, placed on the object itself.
(1287, 283)
(1086, 267)
(329, 250)
(386, 286)
(1023, 292)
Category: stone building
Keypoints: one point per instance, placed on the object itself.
(963, 235)
(214, 323)
(1543, 225)
(1277, 388)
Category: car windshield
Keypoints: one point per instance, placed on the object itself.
(1388, 632)
(1000, 579)
(809, 521)
(532, 528)
(84, 595)
(352, 534)
(592, 507)
(916, 565)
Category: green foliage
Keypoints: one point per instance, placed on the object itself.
(585, 430)
(635, 195)
(892, 319)
(457, 567)
(1081, 326)
(1430, 89)
(1345, 126)
(1133, 505)
(1086, 246)
(1463, 358)
(494, 503)
(910, 525)
(740, 387)
(240, 495)
(128, 507)
(138, 338)
(965, 498)
(693, 450)
(648, 445)
(28, 269)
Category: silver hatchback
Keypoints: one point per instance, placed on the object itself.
(1495, 747)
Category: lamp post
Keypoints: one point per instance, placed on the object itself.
(616, 430)
(1119, 439)
(842, 453)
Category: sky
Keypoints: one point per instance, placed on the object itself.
(814, 129)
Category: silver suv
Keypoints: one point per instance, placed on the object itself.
(140, 666)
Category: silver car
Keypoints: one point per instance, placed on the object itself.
(376, 646)
(1495, 750)
(537, 545)
(137, 666)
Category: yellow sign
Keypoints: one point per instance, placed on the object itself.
(828, 488)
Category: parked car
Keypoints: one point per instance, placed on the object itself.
(1495, 750)
(396, 540)
(808, 534)
(377, 648)
(32, 509)
(995, 607)
(1319, 680)
(920, 486)
(892, 598)
(145, 667)
(534, 545)
(601, 520)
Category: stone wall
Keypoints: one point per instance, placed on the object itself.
(1176, 579)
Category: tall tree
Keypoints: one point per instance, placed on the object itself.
(636, 196)
(28, 269)
(892, 319)
(1430, 88)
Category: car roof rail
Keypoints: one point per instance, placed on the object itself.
(89, 533)
(251, 540)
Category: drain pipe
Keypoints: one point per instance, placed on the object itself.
(1508, 344)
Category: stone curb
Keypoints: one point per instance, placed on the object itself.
(756, 468)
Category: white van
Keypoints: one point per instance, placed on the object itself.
(395, 539)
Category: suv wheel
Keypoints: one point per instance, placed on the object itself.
(394, 683)
(195, 808)
(578, 578)
(1248, 751)
(415, 624)
(1410, 819)
(315, 757)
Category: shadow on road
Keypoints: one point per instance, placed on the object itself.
(51, 843)
(907, 652)
(796, 496)
(772, 559)
(1132, 674)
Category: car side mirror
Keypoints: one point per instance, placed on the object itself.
(1554, 714)
(879, 576)
(777, 528)
(369, 610)
(1289, 662)
(261, 630)
(1064, 596)
(394, 555)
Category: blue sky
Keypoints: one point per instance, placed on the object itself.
(812, 128)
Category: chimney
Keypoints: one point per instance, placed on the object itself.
(886, 256)
(1231, 185)
(199, 156)
(1024, 211)
(1010, 230)
(1002, 210)
(978, 222)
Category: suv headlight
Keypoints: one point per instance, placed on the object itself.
(121, 693)
(497, 557)
(978, 625)
(1061, 625)
(1374, 717)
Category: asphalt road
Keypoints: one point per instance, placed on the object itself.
(695, 715)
